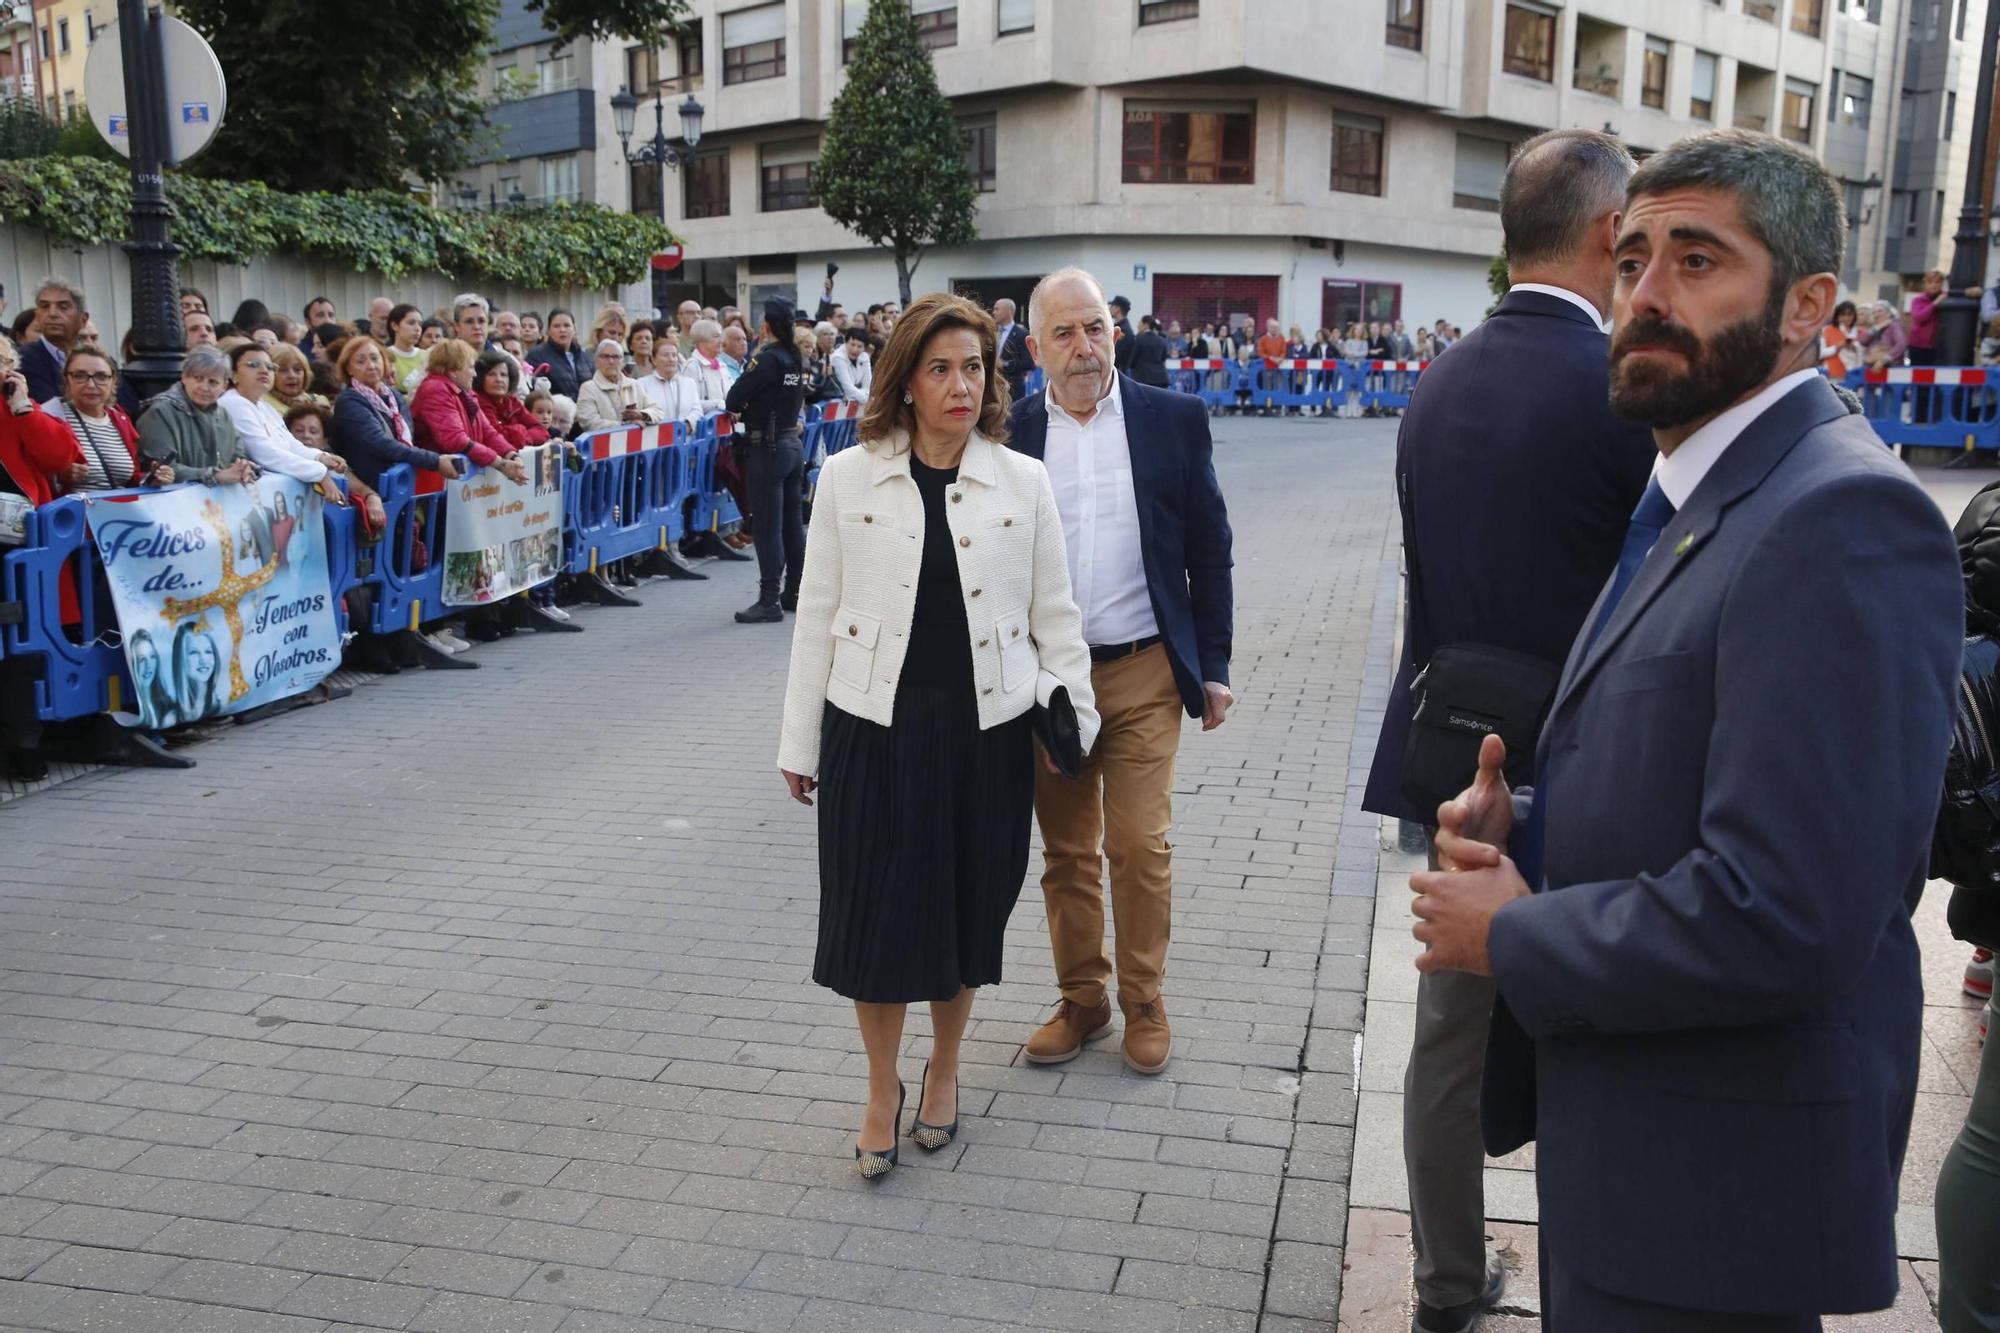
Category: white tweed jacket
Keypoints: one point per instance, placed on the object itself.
(859, 593)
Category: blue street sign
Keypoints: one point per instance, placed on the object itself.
(118, 127)
(194, 113)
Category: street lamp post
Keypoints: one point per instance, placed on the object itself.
(1958, 313)
(659, 153)
(156, 307)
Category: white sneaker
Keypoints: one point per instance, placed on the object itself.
(458, 643)
(553, 610)
(438, 640)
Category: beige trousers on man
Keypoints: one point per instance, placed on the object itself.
(1122, 800)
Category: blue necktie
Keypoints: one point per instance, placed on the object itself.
(1655, 511)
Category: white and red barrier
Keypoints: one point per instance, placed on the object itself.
(842, 411)
(1927, 375)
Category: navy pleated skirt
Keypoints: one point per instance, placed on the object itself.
(923, 844)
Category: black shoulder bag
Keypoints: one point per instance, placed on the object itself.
(1468, 692)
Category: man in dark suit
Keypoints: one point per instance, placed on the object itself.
(1015, 363)
(1121, 336)
(1509, 445)
(1710, 1006)
(59, 318)
(1148, 545)
(1149, 354)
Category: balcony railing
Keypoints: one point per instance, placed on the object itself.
(1601, 84)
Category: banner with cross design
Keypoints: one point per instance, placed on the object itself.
(222, 595)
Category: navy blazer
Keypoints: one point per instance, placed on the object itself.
(1719, 977)
(1516, 483)
(1183, 526)
(39, 369)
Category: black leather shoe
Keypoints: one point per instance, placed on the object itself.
(1459, 1318)
(760, 613)
(789, 599)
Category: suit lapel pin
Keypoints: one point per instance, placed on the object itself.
(1686, 544)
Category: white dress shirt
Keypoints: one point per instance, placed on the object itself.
(1681, 471)
(270, 444)
(1565, 294)
(853, 377)
(679, 399)
(1090, 467)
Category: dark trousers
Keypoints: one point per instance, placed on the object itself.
(1968, 1211)
(1571, 1305)
(776, 474)
(1442, 1150)
(20, 725)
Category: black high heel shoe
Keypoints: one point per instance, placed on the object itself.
(931, 1138)
(875, 1165)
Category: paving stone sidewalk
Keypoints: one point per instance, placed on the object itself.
(479, 1001)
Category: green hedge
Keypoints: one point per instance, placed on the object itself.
(574, 245)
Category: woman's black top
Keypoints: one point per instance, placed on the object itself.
(940, 651)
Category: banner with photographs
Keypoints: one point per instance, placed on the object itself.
(222, 595)
(502, 536)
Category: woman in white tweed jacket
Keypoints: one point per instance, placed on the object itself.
(936, 608)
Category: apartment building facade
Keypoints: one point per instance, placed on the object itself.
(17, 51)
(65, 30)
(1211, 159)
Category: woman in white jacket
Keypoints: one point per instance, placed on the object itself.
(935, 608)
(261, 426)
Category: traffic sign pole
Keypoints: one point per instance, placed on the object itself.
(156, 322)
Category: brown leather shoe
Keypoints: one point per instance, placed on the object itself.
(1148, 1041)
(1061, 1039)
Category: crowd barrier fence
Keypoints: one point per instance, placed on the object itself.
(1325, 385)
(1946, 407)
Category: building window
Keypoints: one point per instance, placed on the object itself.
(645, 73)
(1765, 10)
(1950, 113)
(705, 185)
(980, 134)
(557, 74)
(646, 189)
(90, 28)
(1940, 212)
(1800, 101)
(1855, 99)
(47, 53)
(1701, 102)
(1357, 154)
(1807, 16)
(1959, 31)
(1166, 11)
(1017, 16)
(559, 178)
(62, 35)
(753, 44)
(1476, 176)
(1530, 49)
(937, 23)
(1406, 24)
(69, 103)
(1653, 75)
(787, 175)
(1344, 302)
(1212, 144)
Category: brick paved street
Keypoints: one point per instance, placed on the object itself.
(479, 1002)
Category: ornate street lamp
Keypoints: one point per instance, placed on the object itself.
(659, 153)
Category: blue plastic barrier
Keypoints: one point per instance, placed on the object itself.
(630, 496)
(405, 595)
(1296, 383)
(1947, 407)
(83, 668)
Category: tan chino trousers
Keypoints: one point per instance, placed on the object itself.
(1122, 800)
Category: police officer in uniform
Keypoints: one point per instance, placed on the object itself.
(768, 400)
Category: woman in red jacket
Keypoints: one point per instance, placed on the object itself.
(38, 461)
(447, 419)
(495, 379)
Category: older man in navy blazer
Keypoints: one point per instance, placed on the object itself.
(1710, 1004)
(1509, 445)
(1148, 542)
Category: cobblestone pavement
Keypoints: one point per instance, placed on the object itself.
(480, 1002)
(1376, 1293)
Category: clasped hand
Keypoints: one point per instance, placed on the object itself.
(1455, 905)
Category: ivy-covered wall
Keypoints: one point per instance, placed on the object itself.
(85, 203)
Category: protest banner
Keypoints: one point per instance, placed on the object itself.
(222, 596)
(502, 536)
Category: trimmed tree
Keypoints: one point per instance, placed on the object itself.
(892, 166)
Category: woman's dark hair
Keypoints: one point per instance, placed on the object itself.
(22, 321)
(322, 334)
(928, 316)
(310, 407)
(551, 318)
(236, 354)
(1845, 308)
(251, 314)
(434, 323)
(484, 367)
(399, 312)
